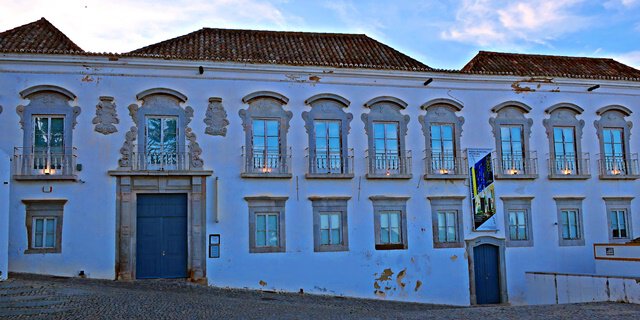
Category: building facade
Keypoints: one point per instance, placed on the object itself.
(342, 180)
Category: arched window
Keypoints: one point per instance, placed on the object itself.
(442, 130)
(615, 160)
(564, 131)
(266, 123)
(328, 127)
(512, 130)
(386, 128)
(48, 121)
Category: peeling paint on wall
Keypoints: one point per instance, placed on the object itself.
(418, 285)
(262, 283)
(454, 257)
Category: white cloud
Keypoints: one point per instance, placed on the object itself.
(119, 25)
(631, 58)
(620, 4)
(486, 22)
(355, 20)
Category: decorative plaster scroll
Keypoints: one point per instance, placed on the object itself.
(216, 118)
(194, 150)
(188, 115)
(128, 147)
(0, 109)
(106, 116)
(133, 112)
(20, 112)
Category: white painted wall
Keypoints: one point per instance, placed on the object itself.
(4, 214)
(625, 260)
(89, 221)
(550, 288)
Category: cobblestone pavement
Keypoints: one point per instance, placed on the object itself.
(39, 297)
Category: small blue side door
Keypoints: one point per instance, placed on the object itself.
(161, 241)
(486, 261)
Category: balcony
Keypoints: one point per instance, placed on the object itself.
(516, 166)
(160, 161)
(388, 166)
(323, 166)
(570, 167)
(44, 164)
(266, 164)
(444, 166)
(618, 167)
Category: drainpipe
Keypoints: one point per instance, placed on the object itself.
(215, 200)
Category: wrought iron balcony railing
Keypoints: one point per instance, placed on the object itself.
(160, 161)
(516, 165)
(259, 163)
(330, 165)
(45, 163)
(569, 166)
(388, 165)
(444, 165)
(618, 166)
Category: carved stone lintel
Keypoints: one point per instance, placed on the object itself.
(216, 118)
(106, 116)
(128, 147)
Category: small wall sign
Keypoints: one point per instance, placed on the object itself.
(609, 251)
(214, 246)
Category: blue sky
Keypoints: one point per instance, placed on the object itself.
(442, 34)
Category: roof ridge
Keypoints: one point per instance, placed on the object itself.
(539, 55)
(287, 31)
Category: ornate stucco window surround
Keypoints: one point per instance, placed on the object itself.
(266, 123)
(442, 130)
(619, 218)
(161, 139)
(48, 121)
(615, 160)
(513, 158)
(446, 221)
(328, 125)
(387, 156)
(564, 131)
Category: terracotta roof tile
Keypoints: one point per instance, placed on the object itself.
(37, 37)
(288, 48)
(549, 66)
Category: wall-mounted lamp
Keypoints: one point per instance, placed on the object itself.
(201, 69)
(426, 83)
(593, 87)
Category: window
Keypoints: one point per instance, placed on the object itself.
(267, 229)
(44, 225)
(517, 225)
(512, 130)
(48, 120)
(564, 131)
(386, 129)
(446, 222)
(161, 142)
(619, 218)
(328, 126)
(442, 130)
(447, 226)
(442, 148)
(48, 144)
(266, 123)
(266, 145)
(615, 160)
(564, 149)
(618, 224)
(386, 148)
(266, 224)
(328, 152)
(390, 222)
(570, 228)
(44, 233)
(330, 223)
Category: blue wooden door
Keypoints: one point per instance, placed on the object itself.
(161, 241)
(486, 261)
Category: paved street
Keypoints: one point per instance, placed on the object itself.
(38, 297)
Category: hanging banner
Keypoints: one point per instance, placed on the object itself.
(483, 196)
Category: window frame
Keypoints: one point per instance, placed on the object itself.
(328, 107)
(565, 115)
(518, 203)
(447, 204)
(439, 112)
(387, 109)
(266, 105)
(570, 204)
(614, 117)
(384, 204)
(509, 114)
(323, 205)
(620, 204)
(44, 209)
(271, 205)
